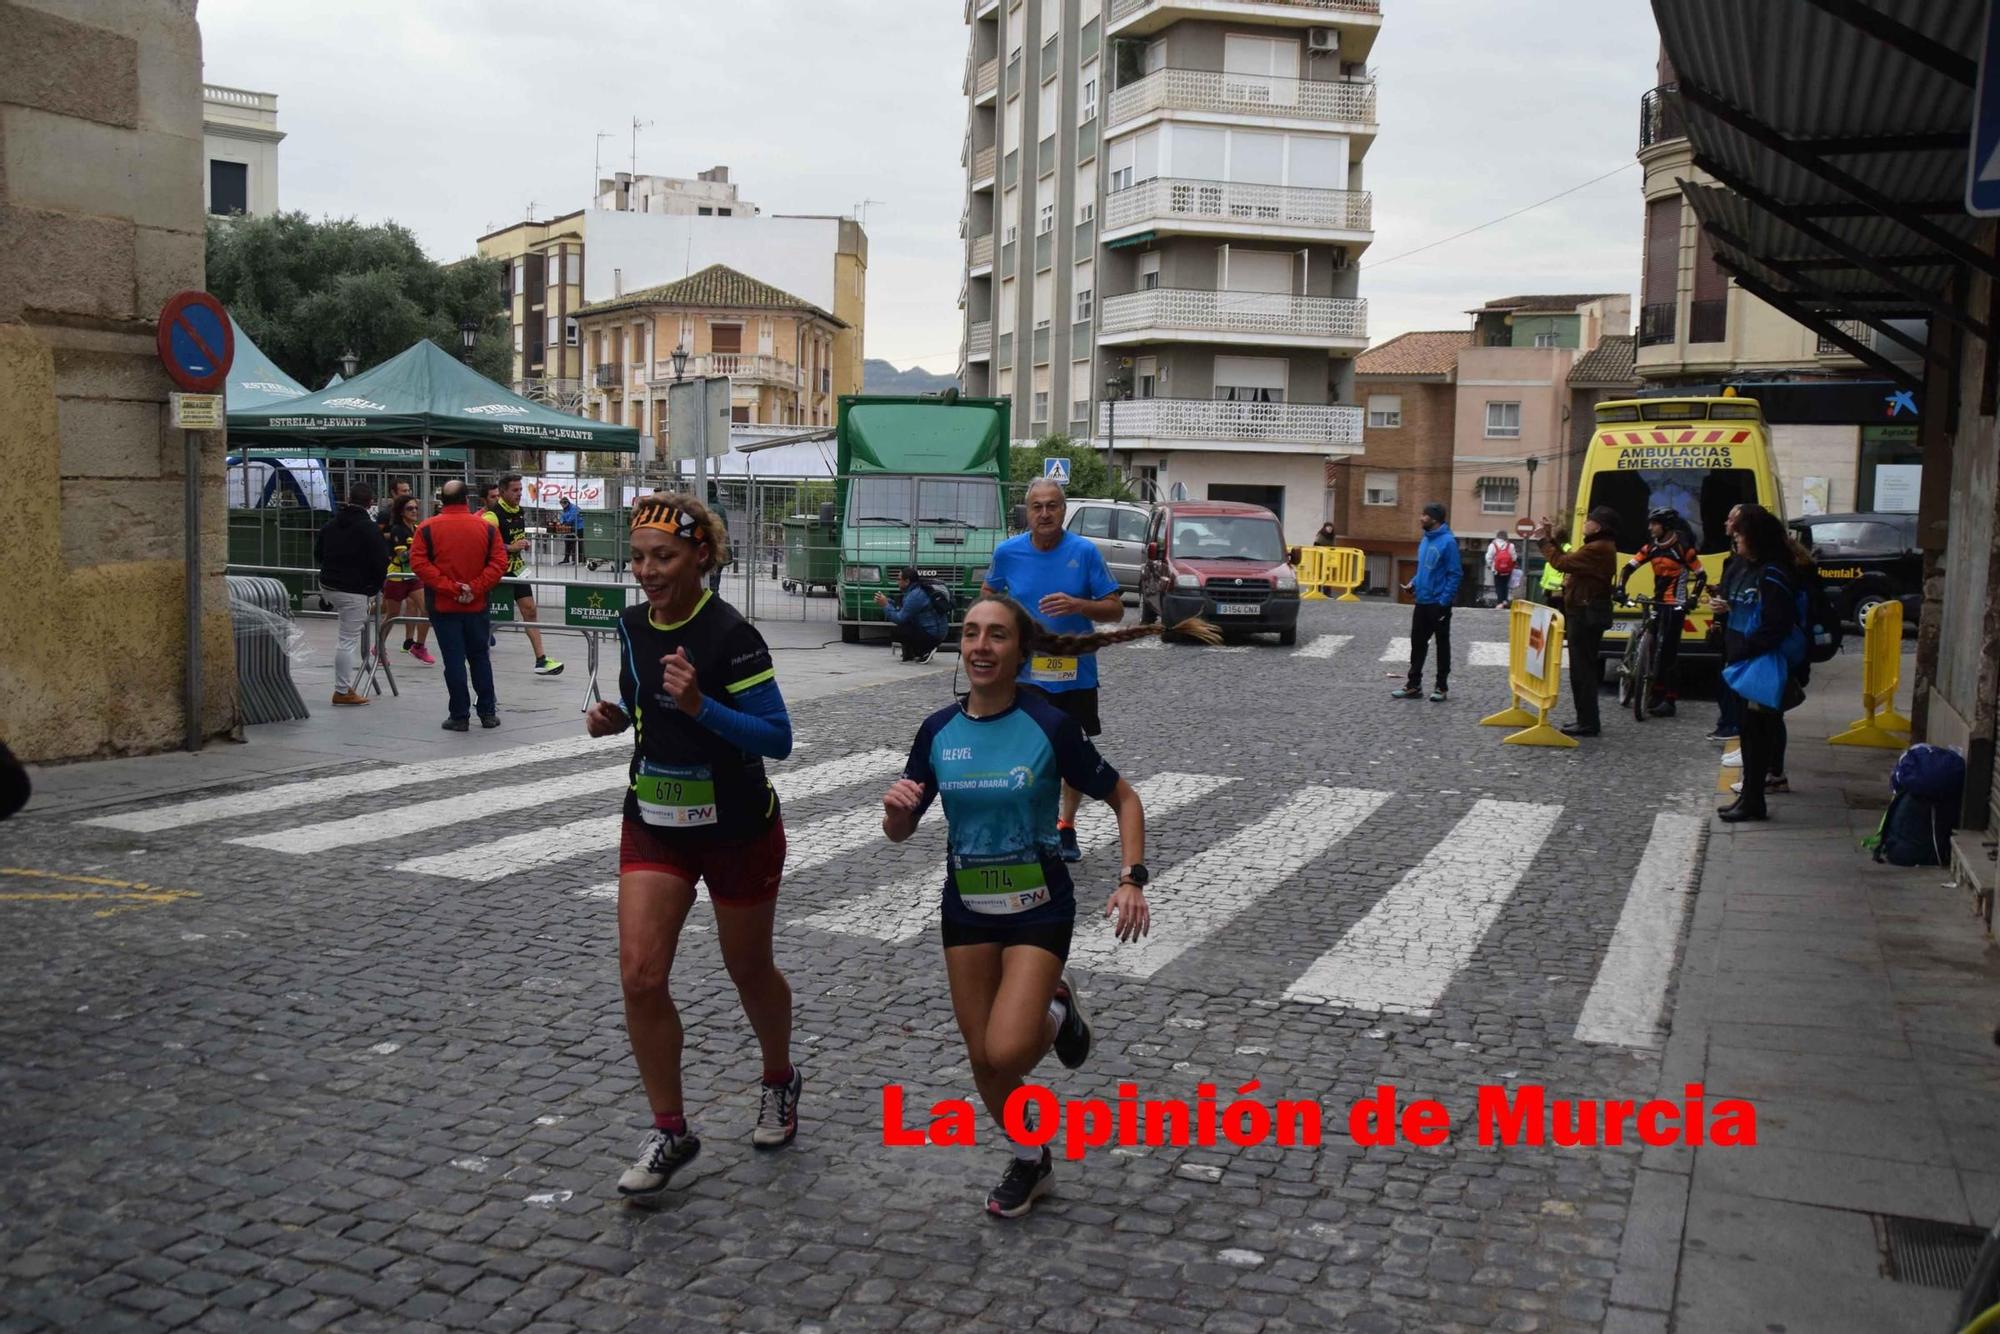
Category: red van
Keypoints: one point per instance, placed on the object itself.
(1222, 561)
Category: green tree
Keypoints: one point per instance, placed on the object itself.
(308, 291)
(1089, 476)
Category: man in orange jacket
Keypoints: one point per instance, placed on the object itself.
(460, 558)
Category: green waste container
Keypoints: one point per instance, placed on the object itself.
(606, 538)
(812, 554)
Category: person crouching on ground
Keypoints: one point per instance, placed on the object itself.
(922, 617)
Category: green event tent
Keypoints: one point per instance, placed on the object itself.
(254, 380)
(423, 399)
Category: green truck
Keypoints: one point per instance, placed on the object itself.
(922, 481)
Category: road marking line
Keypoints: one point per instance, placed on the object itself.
(1325, 646)
(129, 894)
(579, 838)
(468, 807)
(1195, 898)
(904, 910)
(1628, 997)
(1480, 653)
(1404, 953)
(311, 791)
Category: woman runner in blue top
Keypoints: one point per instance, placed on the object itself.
(999, 759)
(696, 684)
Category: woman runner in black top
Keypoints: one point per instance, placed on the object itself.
(696, 683)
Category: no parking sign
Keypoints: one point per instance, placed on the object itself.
(195, 341)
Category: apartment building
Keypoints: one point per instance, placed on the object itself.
(710, 194)
(1700, 328)
(776, 348)
(239, 149)
(1408, 388)
(1165, 209)
(542, 281)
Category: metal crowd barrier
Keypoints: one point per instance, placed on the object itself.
(1881, 673)
(1343, 568)
(261, 612)
(1534, 676)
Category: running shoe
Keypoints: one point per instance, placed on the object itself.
(409, 644)
(1440, 695)
(1732, 759)
(423, 655)
(1407, 692)
(659, 1158)
(1073, 1035)
(1664, 709)
(924, 656)
(1775, 783)
(547, 667)
(778, 1113)
(1071, 850)
(1024, 1183)
(1723, 734)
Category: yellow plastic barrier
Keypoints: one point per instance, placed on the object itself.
(1330, 567)
(1881, 673)
(1540, 689)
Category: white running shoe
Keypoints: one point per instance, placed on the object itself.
(659, 1158)
(778, 1113)
(1732, 759)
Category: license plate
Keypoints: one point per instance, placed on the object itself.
(1237, 609)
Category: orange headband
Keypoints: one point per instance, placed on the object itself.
(672, 522)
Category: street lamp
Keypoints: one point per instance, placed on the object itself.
(468, 330)
(680, 359)
(1114, 389)
(349, 363)
(680, 356)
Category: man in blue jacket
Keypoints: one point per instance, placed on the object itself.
(921, 614)
(1435, 589)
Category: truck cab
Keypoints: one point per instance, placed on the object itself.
(920, 482)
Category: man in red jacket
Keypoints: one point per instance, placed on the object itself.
(460, 559)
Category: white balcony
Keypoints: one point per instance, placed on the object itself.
(1357, 21)
(1243, 428)
(1264, 319)
(743, 367)
(985, 81)
(1246, 99)
(979, 255)
(979, 341)
(983, 163)
(1232, 208)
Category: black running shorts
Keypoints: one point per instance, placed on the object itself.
(1050, 936)
(1080, 705)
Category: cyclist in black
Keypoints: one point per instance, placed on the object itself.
(1677, 582)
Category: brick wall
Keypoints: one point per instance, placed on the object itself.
(1418, 452)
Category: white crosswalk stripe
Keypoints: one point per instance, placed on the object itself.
(1325, 646)
(287, 796)
(586, 837)
(1403, 954)
(1630, 993)
(1480, 653)
(903, 910)
(1198, 897)
(480, 804)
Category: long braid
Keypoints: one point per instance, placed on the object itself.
(1035, 638)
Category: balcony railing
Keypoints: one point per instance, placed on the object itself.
(979, 341)
(1708, 321)
(745, 366)
(1660, 117)
(1206, 419)
(1656, 323)
(980, 254)
(1855, 330)
(1269, 314)
(607, 377)
(1193, 90)
(1122, 8)
(982, 163)
(1171, 198)
(986, 78)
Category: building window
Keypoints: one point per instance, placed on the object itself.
(517, 338)
(1041, 399)
(1503, 421)
(1546, 340)
(1379, 489)
(1083, 302)
(1149, 270)
(573, 264)
(1250, 379)
(228, 187)
(725, 212)
(555, 332)
(571, 338)
(1086, 101)
(704, 211)
(1499, 495)
(1086, 211)
(1146, 378)
(1385, 411)
(1046, 221)
(1121, 179)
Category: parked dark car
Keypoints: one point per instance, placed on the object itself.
(1865, 559)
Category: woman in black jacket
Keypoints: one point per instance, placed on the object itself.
(353, 561)
(1760, 542)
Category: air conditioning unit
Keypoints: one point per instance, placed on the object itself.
(1322, 39)
(1340, 260)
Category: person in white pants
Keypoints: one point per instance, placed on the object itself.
(353, 561)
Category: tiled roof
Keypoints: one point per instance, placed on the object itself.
(1427, 352)
(1609, 363)
(1566, 301)
(717, 287)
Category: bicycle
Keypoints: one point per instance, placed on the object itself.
(1640, 665)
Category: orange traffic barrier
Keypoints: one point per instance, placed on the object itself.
(1534, 676)
(1881, 674)
(1330, 567)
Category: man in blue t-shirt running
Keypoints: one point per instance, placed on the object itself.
(1064, 583)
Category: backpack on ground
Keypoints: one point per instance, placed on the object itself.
(1916, 830)
(1822, 624)
(1503, 561)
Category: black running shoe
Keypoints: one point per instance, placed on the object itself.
(1664, 709)
(1024, 1183)
(1073, 1036)
(661, 1156)
(1406, 692)
(1071, 851)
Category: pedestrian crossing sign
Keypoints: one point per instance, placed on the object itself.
(1982, 176)
(1056, 470)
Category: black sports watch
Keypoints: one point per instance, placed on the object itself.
(1137, 874)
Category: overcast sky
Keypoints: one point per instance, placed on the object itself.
(458, 116)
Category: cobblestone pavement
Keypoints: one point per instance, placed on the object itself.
(290, 1080)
